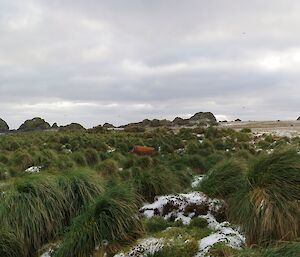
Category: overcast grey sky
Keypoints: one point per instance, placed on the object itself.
(96, 61)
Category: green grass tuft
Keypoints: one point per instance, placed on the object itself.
(268, 207)
(112, 217)
(156, 224)
(225, 178)
(10, 245)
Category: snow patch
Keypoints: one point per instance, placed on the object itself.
(224, 233)
(34, 169)
(144, 247)
(178, 205)
(46, 254)
(184, 207)
(197, 181)
(111, 150)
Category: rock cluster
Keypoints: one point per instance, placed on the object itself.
(72, 127)
(3, 126)
(34, 124)
(200, 118)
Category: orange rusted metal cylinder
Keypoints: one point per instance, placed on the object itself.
(143, 150)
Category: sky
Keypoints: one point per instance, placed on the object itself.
(121, 61)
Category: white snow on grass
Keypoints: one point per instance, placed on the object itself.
(46, 254)
(180, 207)
(197, 181)
(48, 250)
(144, 247)
(111, 150)
(178, 204)
(223, 233)
(34, 169)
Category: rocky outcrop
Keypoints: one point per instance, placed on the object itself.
(72, 127)
(203, 116)
(155, 123)
(54, 126)
(200, 119)
(180, 121)
(97, 129)
(34, 124)
(3, 126)
(108, 125)
(146, 122)
(165, 123)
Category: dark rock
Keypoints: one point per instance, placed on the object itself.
(146, 122)
(97, 129)
(34, 124)
(221, 213)
(156, 211)
(169, 207)
(206, 116)
(3, 126)
(155, 123)
(198, 209)
(180, 121)
(54, 126)
(72, 127)
(134, 128)
(200, 119)
(165, 123)
(108, 125)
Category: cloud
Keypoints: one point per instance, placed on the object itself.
(121, 61)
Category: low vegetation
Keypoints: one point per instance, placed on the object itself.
(112, 217)
(263, 197)
(79, 188)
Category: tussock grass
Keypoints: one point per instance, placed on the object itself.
(108, 167)
(263, 197)
(22, 160)
(34, 211)
(281, 249)
(153, 182)
(64, 162)
(287, 249)
(112, 217)
(225, 178)
(212, 159)
(10, 245)
(45, 158)
(80, 187)
(268, 207)
(91, 156)
(37, 207)
(4, 172)
(79, 159)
